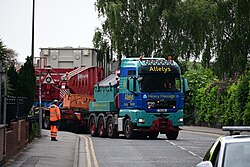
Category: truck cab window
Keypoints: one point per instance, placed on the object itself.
(131, 73)
(159, 83)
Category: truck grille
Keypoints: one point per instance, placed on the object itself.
(161, 104)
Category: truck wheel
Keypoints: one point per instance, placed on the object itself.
(153, 135)
(92, 127)
(101, 130)
(112, 133)
(46, 124)
(172, 135)
(128, 129)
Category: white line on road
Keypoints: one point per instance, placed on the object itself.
(190, 152)
(181, 147)
(172, 143)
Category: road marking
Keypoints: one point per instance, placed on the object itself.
(93, 153)
(90, 152)
(184, 149)
(172, 143)
(87, 152)
(195, 154)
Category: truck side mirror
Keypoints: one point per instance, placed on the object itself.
(131, 84)
(185, 85)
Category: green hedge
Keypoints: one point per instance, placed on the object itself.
(217, 102)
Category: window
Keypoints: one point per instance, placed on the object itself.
(160, 83)
(131, 73)
(237, 154)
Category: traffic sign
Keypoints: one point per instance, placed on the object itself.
(48, 79)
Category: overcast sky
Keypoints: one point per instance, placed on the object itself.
(58, 23)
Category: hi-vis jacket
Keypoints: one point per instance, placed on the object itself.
(54, 113)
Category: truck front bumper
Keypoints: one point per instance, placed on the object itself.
(154, 122)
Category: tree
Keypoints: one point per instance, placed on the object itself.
(26, 83)
(7, 56)
(180, 28)
(102, 45)
(12, 77)
(3, 53)
(232, 34)
(190, 29)
(9, 61)
(132, 27)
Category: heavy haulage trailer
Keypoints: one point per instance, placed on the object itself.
(144, 98)
(68, 75)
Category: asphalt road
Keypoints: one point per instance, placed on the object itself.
(186, 151)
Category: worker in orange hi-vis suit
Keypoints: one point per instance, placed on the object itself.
(55, 116)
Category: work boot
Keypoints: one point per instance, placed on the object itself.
(53, 139)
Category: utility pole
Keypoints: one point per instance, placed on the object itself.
(5, 98)
(33, 30)
(40, 103)
(0, 91)
(5, 94)
(32, 56)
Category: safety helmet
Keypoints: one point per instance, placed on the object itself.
(55, 101)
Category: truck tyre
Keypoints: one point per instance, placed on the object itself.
(172, 135)
(129, 132)
(111, 130)
(153, 135)
(101, 129)
(92, 127)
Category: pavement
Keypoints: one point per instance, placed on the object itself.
(203, 129)
(44, 153)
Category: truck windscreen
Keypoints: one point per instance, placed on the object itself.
(160, 83)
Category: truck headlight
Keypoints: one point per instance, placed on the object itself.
(141, 121)
(180, 120)
(150, 104)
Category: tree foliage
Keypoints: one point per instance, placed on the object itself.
(12, 78)
(21, 83)
(8, 61)
(205, 29)
(232, 36)
(224, 102)
(7, 56)
(3, 52)
(26, 83)
(198, 78)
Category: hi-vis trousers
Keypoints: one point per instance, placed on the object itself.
(53, 129)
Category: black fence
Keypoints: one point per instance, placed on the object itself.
(16, 109)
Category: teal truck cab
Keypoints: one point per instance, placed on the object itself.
(144, 99)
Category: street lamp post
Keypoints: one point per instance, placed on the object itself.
(40, 104)
(32, 56)
(33, 30)
(1, 91)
